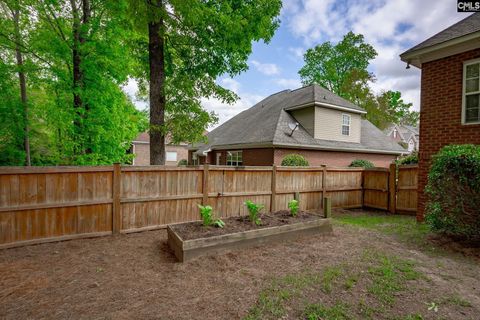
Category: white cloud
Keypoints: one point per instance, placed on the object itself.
(285, 83)
(268, 69)
(391, 26)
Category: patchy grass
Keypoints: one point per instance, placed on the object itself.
(318, 311)
(374, 280)
(405, 228)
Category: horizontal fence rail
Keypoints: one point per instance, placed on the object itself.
(43, 204)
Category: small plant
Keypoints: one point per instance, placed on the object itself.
(294, 160)
(409, 159)
(358, 163)
(206, 215)
(254, 211)
(183, 162)
(293, 206)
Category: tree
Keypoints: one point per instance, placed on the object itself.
(190, 43)
(342, 69)
(335, 66)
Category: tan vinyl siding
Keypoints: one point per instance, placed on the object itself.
(306, 118)
(328, 125)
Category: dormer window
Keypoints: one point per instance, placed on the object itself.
(395, 133)
(346, 119)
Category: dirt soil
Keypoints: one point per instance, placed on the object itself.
(136, 276)
(195, 230)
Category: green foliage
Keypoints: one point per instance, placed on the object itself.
(294, 160)
(409, 159)
(204, 40)
(293, 206)
(332, 66)
(183, 162)
(206, 213)
(343, 69)
(453, 191)
(254, 211)
(101, 129)
(360, 163)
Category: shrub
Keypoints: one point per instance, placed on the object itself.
(294, 160)
(183, 162)
(293, 206)
(206, 213)
(253, 211)
(453, 190)
(361, 163)
(409, 159)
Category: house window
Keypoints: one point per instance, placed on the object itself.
(345, 124)
(234, 158)
(411, 145)
(195, 159)
(171, 156)
(471, 92)
(395, 133)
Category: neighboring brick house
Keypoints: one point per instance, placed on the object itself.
(311, 121)
(403, 134)
(141, 149)
(450, 92)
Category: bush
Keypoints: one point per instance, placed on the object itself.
(294, 160)
(360, 163)
(409, 159)
(293, 206)
(183, 162)
(453, 190)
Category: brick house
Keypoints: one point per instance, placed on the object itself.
(404, 134)
(450, 92)
(311, 121)
(141, 149)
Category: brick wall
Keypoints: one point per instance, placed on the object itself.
(142, 152)
(334, 158)
(441, 111)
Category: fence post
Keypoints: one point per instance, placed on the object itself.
(324, 183)
(392, 188)
(273, 206)
(327, 207)
(363, 188)
(205, 184)
(116, 207)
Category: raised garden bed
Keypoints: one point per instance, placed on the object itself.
(192, 239)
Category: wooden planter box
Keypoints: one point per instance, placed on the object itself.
(186, 250)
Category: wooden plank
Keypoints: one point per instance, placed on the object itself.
(116, 212)
(392, 196)
(274, 189)
(324, 184)
(205, 184)
(59, 169)
(54, 205)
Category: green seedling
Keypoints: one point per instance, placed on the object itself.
(293, 206)
(206, 213)
(254, 211)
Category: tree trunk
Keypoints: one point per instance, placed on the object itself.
(156, 40)
(23, 85)
(78, 76)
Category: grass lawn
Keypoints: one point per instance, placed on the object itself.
(374, 266)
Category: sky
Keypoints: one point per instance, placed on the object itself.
(390, 26)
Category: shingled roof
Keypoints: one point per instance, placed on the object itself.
(462, 29)
(266, 125)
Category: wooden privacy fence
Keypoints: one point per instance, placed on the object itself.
(58, 203)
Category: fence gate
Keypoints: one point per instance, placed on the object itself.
(407, 183)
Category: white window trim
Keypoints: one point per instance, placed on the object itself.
(236, 161)
(464, 88)
(349, 124)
